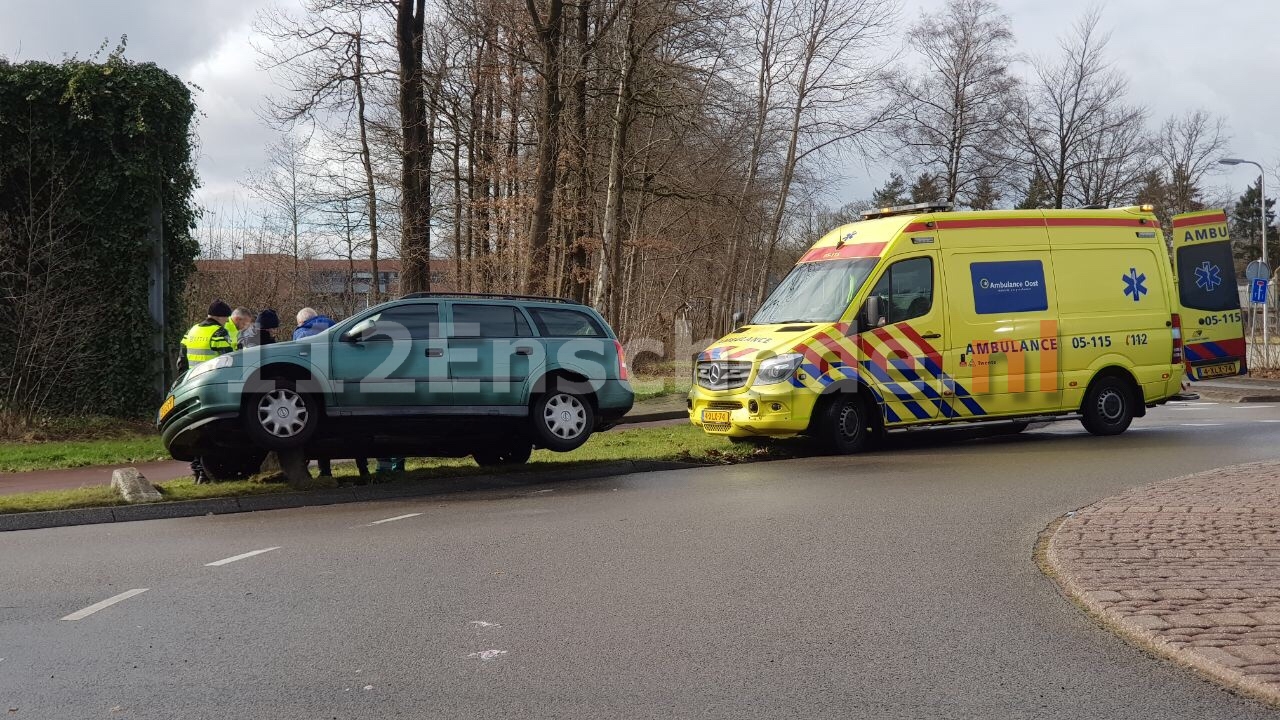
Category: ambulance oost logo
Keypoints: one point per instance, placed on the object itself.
(1208, 276)
(1133, 284)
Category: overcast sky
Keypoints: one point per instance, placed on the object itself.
(1178, 56)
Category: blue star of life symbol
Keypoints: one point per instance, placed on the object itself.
(1208, 276)
(1133, 284)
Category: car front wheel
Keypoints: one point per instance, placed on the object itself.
(281, 418)
(562, 420)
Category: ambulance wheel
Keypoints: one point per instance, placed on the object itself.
(1108, 406)
(844, 425)
(280, 417)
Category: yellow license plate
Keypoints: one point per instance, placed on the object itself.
(167, 407)
(1222, 370)
(715, 416)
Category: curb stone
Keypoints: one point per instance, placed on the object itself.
(336, 496)
(1082, 583)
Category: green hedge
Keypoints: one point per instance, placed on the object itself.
(93, 145)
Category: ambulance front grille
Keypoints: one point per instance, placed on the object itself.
(723, 374)
(724, 405)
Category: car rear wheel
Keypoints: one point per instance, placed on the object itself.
(498, 456)
(281, 417)
(562, 420)
(1108, 407)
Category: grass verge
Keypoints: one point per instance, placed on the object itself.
(21, 457)
(679, 443)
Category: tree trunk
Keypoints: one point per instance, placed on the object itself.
(549, 34)
(610, 240)
(366, 162)
(415, 250)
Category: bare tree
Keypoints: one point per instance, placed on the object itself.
(1070, 102)
(285, 187)
(955, 112)
(1189, 146)
(1112, 164)
(835, 84)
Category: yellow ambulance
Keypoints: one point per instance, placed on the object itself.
(921, 316)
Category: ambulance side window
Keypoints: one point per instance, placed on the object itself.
(905, 290)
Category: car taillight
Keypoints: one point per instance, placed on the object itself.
(1176, 323)
(623, 372)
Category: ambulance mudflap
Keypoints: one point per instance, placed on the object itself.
(1212, 323)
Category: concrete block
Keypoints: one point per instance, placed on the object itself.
(133, 486)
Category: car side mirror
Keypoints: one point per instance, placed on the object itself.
(358, 333)
(872, 317)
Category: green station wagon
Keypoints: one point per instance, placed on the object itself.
(430, 374)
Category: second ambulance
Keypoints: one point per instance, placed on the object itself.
(920, 316)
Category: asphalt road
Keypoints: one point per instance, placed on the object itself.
(898, 584)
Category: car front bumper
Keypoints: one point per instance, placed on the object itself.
(205, 416)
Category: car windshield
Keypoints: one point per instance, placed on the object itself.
(815, 292)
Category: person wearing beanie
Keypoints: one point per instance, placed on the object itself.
(205, 341)
(261, 332)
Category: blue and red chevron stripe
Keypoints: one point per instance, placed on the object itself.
(1229, 349)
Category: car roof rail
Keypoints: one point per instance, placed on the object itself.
(488, 296)
(917, 208)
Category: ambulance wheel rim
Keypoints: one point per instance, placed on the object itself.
(1111, 405)
(848, 421)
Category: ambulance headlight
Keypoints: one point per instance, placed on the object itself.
(777, 369)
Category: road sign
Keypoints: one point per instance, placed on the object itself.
(1257, 270)
(1258, 291)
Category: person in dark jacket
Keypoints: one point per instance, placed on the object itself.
(262, 331)
(311, 323)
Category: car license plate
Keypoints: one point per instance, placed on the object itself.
(167, 407)
(715, 416)
(1221, 370)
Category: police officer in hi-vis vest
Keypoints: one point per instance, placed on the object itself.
(207, 339)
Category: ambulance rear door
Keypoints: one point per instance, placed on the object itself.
(1212, 325)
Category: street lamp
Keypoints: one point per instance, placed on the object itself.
(1262, 218)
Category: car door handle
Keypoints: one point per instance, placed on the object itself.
(931, 336)
(435, 352)
(524, 351)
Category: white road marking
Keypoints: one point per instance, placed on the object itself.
(487, 655)
(82, 614)
(393, 519)
(1251, 407)
(477, 623)
(1201, 424)
(1190, 403)
(241, 556)
(1269, 421)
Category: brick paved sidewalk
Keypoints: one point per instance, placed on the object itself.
(1189, 568)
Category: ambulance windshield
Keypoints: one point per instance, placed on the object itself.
(815, 292)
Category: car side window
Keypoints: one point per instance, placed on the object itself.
(421, 321)
(555, 322)
(905, 290)
(489, 321)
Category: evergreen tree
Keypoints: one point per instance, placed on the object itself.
(892, 193)
(926, 188)
(1243, 221)
(981, 196)
(1039, 194)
